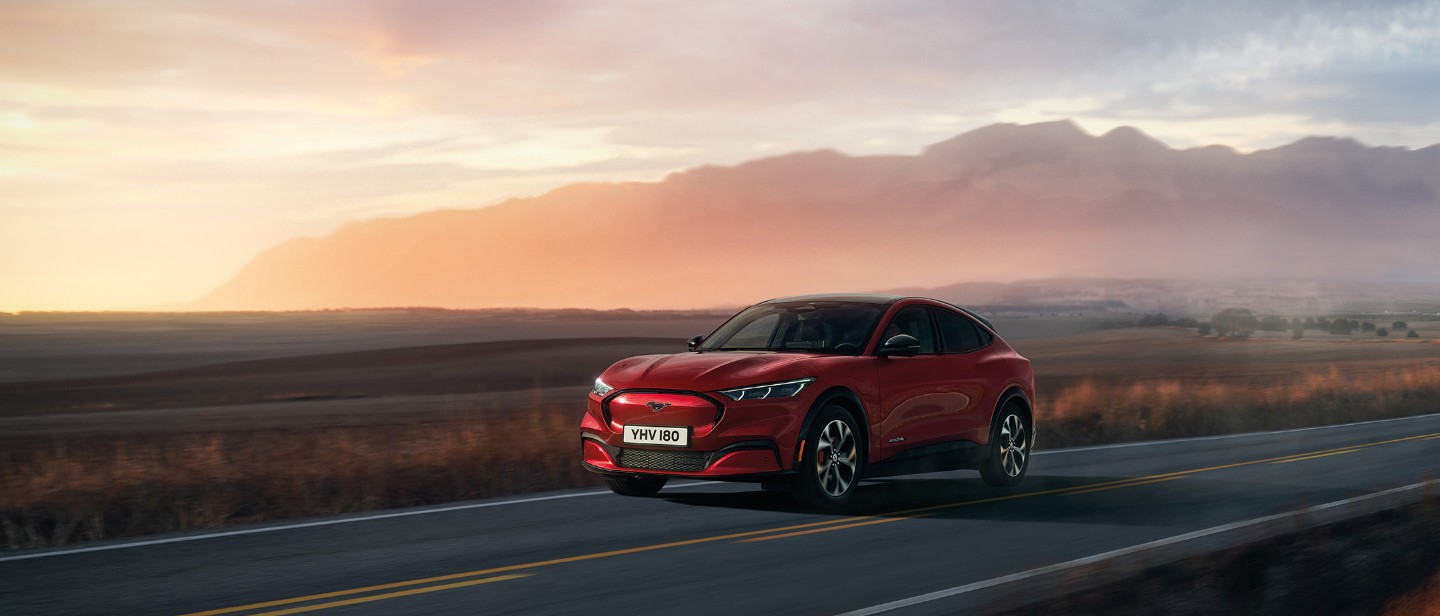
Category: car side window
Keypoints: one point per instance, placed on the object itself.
(914, 321)
(959, 334)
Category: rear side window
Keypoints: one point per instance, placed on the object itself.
(959, 334)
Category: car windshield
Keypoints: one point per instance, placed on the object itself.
(838, 328)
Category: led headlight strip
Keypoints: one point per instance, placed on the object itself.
(769, 390)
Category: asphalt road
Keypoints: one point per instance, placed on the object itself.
(724, 549)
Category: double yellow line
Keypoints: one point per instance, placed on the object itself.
(477, 573)
(505, 573)
(356, 600)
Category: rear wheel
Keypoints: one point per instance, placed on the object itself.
(637, 485)
(830, 463)
(1010, 440)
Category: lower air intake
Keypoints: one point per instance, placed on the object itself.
(661, 460)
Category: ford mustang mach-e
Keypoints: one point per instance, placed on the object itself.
(814, 394)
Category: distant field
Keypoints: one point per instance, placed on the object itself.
(451, 371)
(43, 346)
(49, 346)
(1165, 353)
(332, 428)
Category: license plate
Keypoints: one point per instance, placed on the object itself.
(657, 435)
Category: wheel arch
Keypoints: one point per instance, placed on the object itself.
(1015, 393)
(847, 399)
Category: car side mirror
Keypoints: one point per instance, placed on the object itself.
(903, 345)
(694, 342)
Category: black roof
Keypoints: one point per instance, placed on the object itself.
(871, 298)
(860, 298)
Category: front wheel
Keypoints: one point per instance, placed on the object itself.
(1010, 440)
(636, 485)
(830, 462)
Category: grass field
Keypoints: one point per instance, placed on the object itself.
(1134, 384)
(207, 445)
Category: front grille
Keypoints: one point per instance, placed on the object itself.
(663, 460)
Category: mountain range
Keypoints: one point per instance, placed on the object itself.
(1000, 203)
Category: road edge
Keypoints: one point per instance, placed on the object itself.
(1081, 574)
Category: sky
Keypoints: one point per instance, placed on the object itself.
(149, 149)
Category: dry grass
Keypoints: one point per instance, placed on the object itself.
(87, 484)
(1423, 602)
(1111, 410)
(64, 491)
(1383, 562)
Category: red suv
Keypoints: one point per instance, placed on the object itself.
(816, 393)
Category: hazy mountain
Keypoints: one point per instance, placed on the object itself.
(1202, 298)
(999, 203)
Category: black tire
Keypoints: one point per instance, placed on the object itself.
(1011, 436)
(636, 485)
(825, 480)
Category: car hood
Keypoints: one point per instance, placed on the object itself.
(709, 371)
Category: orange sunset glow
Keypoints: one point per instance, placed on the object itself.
(150, 151)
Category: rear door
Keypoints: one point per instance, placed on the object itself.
(963, 349)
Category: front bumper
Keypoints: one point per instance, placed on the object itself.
(749, 439)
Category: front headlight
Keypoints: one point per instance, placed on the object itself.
(601, 388)
(769, 390)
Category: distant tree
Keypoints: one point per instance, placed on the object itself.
(1296, 322)
(1367, 327)
(1154, 320)
(1412, 334)
(1185, 322)
(1322, 324)
(1273, 324)
(1237, 322)
(1203, 329)
(1382, 332)
(1297, 333)
(1341, 327)
(1399, 325)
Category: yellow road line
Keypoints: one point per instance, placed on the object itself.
(867, 522)
(520, 567)
(929, 511)
(1128, 485)
(1297, 455)
(1322, 455)
(1096, 487)
(788, 531)
(920, 512)
(392, 595)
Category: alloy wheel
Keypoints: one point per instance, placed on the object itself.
(1013, 445)
(836, 457)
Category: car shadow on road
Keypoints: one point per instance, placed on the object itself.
(1041, 498)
